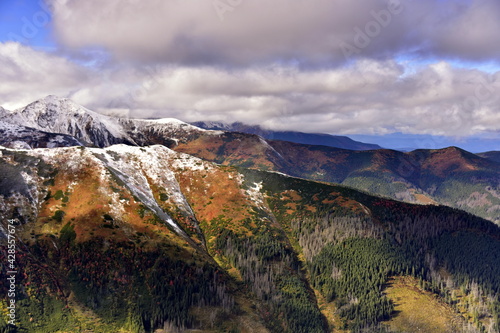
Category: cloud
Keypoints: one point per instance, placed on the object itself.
(311, 33)
(464, 29)
(27, 74)
(368, 96)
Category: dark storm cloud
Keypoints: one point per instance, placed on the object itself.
(316, 32)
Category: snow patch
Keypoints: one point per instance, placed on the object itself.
(268, 146)
(254, 193)
(185, 161)
(126, 165)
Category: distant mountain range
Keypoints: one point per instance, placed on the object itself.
(449, 176)
(298, 137)
(491, 155)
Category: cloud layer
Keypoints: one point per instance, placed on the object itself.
(369, 96)
(335, 66)
(26, 74)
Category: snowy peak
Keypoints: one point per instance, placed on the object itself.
(61, 115)
(50, 108)
(215, 125)
(167, 124)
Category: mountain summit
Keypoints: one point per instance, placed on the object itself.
(61, 115)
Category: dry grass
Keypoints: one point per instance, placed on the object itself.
(242, 148)
(418, 310)
(88, 201)
(328, 310)
(423, 199)
(209, 202)
(447, 160)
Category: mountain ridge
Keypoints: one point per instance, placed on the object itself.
(22, 137)
(491, 155)
(61, 115)
(335, 141)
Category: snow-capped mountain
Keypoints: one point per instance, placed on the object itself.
(61, 115)
(134, 168)
(22, 137)
(166, 131)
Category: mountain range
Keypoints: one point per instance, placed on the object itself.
(491, 155)
(130, 225)
(335, 141)
(449, 176)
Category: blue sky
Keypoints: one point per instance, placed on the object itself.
(394, 72)
(409, 142)
(26, 16)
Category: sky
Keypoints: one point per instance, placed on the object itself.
(400, 73)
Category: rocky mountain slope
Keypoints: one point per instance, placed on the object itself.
(144, 239)
(17, 136)
(60, 115)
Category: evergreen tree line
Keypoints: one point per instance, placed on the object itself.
(124, 285)
(350, 259)
(272, 272)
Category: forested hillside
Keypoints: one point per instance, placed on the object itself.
(138, 239)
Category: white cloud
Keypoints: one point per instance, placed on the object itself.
(27, 74)
(369, 96)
